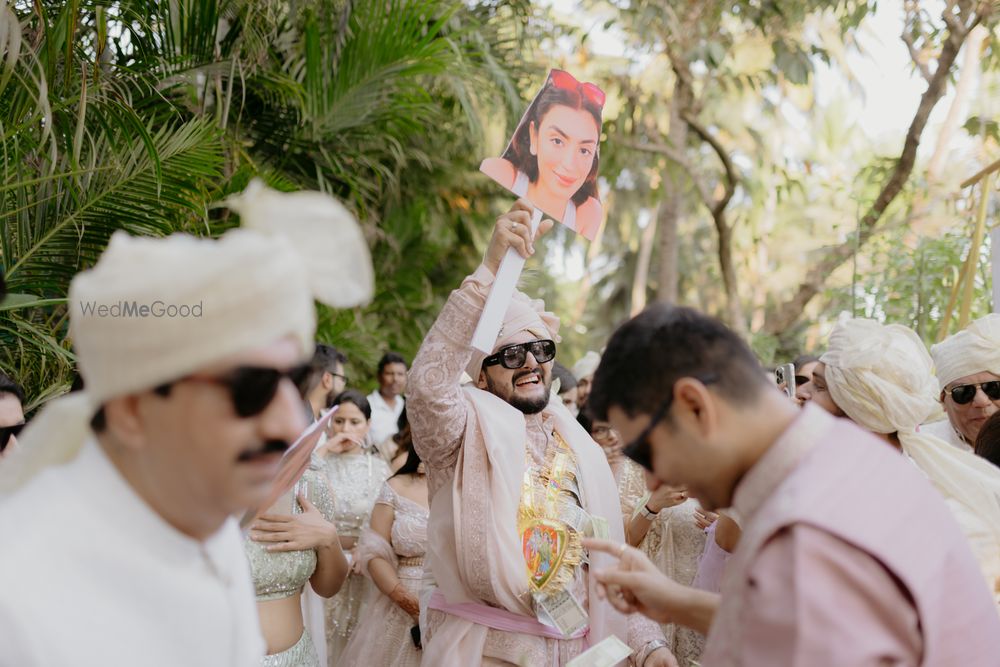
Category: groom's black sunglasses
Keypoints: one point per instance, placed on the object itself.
(513, 357)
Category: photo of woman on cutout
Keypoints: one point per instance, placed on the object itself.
(552, 158)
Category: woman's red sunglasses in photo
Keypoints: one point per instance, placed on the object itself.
(566, 81)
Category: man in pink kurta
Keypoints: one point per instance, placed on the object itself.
(848, 555)
(478, 442)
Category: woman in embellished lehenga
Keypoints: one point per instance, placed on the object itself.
(293, 543)
(662, 524)
(391, 552)
(356, 473)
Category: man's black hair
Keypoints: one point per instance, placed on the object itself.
(391, 358)
(565, 376)
(663, 344)
(324, 360)
(802, 360)
(359, 400)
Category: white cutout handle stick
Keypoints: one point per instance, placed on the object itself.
(995, 265)
(503, 289)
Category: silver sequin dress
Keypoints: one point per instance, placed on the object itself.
(356, 479)
(278, 575)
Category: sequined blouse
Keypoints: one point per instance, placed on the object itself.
(356, 479)
(281, 574)
(409, 525)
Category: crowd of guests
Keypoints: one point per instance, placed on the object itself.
(665, 496)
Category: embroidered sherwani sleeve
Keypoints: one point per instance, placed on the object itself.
(641, 631)
(436, 407)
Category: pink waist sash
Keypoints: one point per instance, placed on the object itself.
(499, 619)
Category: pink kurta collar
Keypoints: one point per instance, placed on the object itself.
(778, 462)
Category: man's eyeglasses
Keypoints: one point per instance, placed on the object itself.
(965, 393)
(6, 432)
(513, 357)
(604, 432)
(639, 450)
(251, 388)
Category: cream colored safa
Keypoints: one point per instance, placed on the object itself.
(523, 314)
(881, 377)
(587, 365)
(973, 350)
(156, 309)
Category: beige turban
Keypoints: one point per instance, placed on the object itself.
(587, 365)
(881, 376)
(970, 351)
(523, 314)
(156, 309)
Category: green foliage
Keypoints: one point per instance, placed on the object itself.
(909, 281)
(138, 116)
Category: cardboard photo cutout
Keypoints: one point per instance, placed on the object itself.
(552, 159)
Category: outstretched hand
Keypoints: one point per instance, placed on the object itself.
(513, 230)
(635, 584)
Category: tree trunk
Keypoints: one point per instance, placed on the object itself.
(968, 75)
(785, 316)
(671, 205)
(593, 252)
(640, 282)
(734, 307)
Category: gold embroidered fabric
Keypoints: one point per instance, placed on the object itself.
(550, 520)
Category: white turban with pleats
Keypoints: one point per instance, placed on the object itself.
(587, 365)
(973, 350)
(881, 376)
(156, 309)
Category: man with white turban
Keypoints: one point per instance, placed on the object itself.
(882, 378)
(968, 373)
(583, 371)
(120, 546)
(515, 482)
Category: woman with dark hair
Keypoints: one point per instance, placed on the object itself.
(391, 552)
(404, 443)
(356, 474)
(988, 440)
(552, 159)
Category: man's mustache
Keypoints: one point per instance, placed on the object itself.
(269, 447)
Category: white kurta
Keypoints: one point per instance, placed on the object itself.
(91, 575)
(384, 418)
(944, 430)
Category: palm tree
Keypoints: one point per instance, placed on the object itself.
(139, 115)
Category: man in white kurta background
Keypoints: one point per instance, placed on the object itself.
(967, 366)
(387, 401)
(120, 546)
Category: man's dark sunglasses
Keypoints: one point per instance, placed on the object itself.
(251, 388)
(639, 449)
(964, 393)
(6, 432)
(513, 357)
